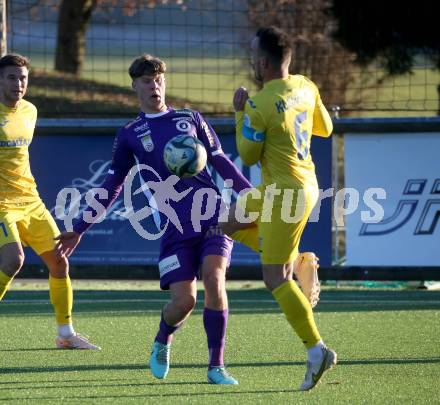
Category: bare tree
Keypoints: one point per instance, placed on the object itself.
(73, 20)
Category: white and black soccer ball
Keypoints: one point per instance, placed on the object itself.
(184, 156)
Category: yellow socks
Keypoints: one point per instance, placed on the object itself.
(5, 282)
(248, 237)
(61, 297)
(298, 312)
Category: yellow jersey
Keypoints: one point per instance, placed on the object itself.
(275, 129)
(17, 185)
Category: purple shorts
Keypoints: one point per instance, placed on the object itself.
(181, 261)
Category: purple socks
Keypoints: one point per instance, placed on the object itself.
(215, 323)
(165, 334)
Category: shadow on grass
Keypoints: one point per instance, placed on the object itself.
(64, 95)
(107, 367)
(99, 383)
(254, 301)
(36, 349)
(225, 391)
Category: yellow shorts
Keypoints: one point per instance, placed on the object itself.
(32, 225)
(281, 219)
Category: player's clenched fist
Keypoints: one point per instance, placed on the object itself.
(240, 97)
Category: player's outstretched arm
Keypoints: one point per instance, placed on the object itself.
(228, 171)
(122, 162)
(66, 243)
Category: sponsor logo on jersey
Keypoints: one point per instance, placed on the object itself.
(185, 111)
(208, 134)
(213, 230)
(168, 264)
(14, 143)
(144, 133)
(181, 118)
(142, 127)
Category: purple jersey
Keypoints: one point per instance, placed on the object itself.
(142, 142)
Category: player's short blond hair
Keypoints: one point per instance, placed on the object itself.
(14, 59)
(147, 65)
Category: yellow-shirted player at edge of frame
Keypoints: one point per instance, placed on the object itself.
(24, 219)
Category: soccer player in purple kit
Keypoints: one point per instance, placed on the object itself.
(182, 254)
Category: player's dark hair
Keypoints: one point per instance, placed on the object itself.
(146, 65)
(14, 59)
(274, 44)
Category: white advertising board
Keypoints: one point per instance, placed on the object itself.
(405, 229)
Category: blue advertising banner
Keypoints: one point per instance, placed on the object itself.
(81, 162)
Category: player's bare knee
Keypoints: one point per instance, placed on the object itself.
(59, 268)
(269, 284)
(185, 304)
(12, 265)
(273, 276)
(214, 281)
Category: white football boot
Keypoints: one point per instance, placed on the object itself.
(76, 341)
(315, 371)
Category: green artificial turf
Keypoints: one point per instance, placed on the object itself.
(387, 343)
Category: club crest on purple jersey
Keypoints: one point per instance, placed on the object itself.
(147, 142)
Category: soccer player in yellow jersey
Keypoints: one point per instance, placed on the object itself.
(24, 220)
(274, 128)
